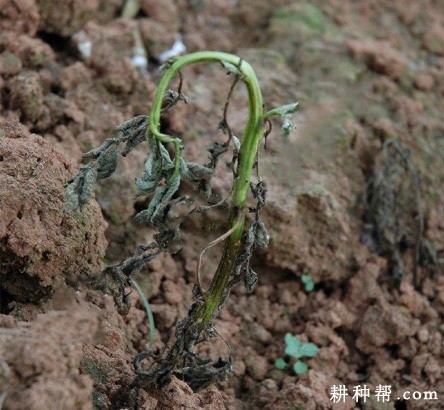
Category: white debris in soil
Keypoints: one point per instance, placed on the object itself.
(177, 48)
(84, 44)
(139, 57)
(140, 60)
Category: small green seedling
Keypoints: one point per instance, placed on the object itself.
(308, 283)
(296, 350)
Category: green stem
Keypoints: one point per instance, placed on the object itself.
(130, 9)
(149, 312)
(252, 135)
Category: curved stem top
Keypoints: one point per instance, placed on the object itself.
(253, 129)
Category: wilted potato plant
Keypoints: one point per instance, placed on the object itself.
(162, 179)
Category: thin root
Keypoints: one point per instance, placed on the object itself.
(267, 132)
(229, 345)
(210, 245)
(206, 208)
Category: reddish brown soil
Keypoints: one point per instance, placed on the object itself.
(363, 72)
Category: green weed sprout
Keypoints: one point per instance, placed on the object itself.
(296, 350)
(161, 182)
(308, 283)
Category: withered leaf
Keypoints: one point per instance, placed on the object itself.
(96, 152)
(139, 136)
(158, 202)
(261, 237)
(167, 163)
(287, 126)
(152, 174)
(193, 171)
(87, 186)
(71, 201)
(216, 150)
(107, 164)
(250, 280)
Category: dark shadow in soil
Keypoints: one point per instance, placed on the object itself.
(270, 276)
(401, 405)
(61, 45)
(5, 300)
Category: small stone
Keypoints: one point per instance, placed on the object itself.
(380, 57)
(156, 36)
(384, 129)
(270, 385)
(424, 82)
(10, 64)
(19, 16)
(423, 335)
(64, 18)
(408, 349)
(256, 367)
(434, 39)
(164, 11)
(27, 95)
(259, 334)
(55, 248)
(287, 297)
(73, 75)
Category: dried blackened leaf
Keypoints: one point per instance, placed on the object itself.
(203, 374)
(116, 278)
(259, 192)
(132, 124)
(428, 255)
(71, 201)
(261, 238)
(216, 150)
(223, 126)
(139, 136)
(204, 188)
(153, 172)
(167, 163)
(163, 196)
(197, 292)
(394, 205)
(244, 257)
(255, 237)
(132, 265)
(113, 283)
(107, 164)
(97, 152)
(287, 126)
(250, 280)
(87, 186)
(193, 171)
(145, 185)
(134, 132)
(80, 188)
(142, 218)
(169, 240)
(158, 202)
(240, 263)
(172, 98)
(250, 236)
